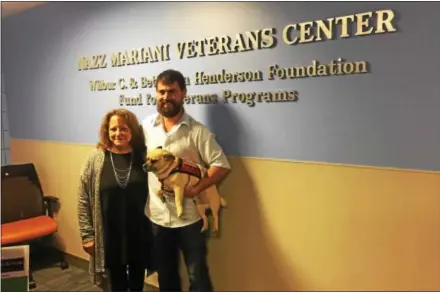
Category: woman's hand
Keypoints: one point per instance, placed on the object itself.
(89, 247)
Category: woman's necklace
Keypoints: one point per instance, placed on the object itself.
(122, 175)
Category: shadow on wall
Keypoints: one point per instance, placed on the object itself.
(245, 257)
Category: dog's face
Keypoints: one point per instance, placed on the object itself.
(158, 159)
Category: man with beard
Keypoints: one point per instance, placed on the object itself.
(173, 129)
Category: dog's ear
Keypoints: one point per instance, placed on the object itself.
(159, 147)
(169, 157)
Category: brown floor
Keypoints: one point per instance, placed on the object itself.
(71, 279)
(56, 279)
(50, 277)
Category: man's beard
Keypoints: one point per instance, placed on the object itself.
(172, 109)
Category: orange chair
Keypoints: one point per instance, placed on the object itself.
(27, 215)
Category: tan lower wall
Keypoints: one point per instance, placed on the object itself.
(293, 226)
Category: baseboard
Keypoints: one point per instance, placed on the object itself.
(83, 264)
(76, 261)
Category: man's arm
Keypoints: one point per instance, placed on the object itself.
(215, 175)
(213, 155)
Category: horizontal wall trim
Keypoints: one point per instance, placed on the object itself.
(269, 159)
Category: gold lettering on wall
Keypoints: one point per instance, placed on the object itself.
(252, 98)
(131, 100)
(128, 57)
(340, 27)
(137, 100)
(141, 56)
(241, 42)
(334, 67)
(147, 82)
(92, 62)
(385, 18)
(201, 78)
(360, 24)
(101, 85)
(201, 99)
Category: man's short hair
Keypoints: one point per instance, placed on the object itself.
(171, 76)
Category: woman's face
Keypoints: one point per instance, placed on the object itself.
(119, 133)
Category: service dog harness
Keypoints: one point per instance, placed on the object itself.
(183, 167)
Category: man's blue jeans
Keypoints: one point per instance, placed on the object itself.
(192, 242)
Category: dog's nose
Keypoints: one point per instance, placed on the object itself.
(144, 167)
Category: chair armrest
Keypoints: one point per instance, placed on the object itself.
(49, 202)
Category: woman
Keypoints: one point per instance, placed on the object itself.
(112, 196)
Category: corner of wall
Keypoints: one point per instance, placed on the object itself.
(5, 150)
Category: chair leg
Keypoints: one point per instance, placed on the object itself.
(32, 283)
(63, 263)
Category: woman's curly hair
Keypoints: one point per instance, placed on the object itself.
(137, 133)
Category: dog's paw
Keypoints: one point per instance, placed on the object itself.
(179, 211)
(205, 224)
(223, 202)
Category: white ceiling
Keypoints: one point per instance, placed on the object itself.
(10, 8)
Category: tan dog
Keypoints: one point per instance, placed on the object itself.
(176, 174)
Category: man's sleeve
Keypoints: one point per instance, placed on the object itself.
(210, 151)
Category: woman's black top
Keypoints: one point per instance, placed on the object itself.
(125, 225)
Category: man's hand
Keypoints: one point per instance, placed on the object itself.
(192, 192)
(214, 175)
(89, 247)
